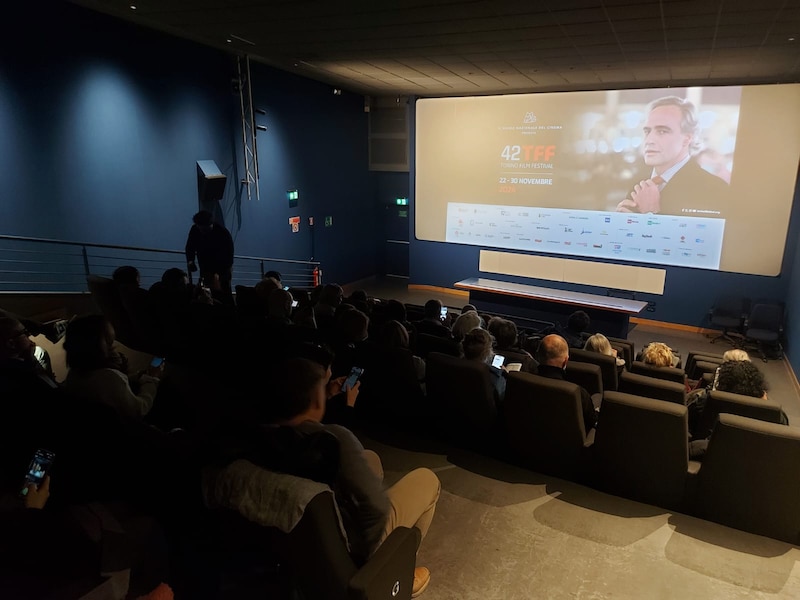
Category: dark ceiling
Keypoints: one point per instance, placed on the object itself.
(447, 47)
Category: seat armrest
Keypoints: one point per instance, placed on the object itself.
(389, 573)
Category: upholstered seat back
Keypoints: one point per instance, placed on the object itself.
(641, 449)
(749, 478)
(463, 392)
(607, 364)
(544, 424)
(651, 387)
(665, 373)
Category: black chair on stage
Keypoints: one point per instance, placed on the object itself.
(729, 313)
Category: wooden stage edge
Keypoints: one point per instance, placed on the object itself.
(637, 320)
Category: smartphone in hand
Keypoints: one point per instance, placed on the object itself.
(498, 361)
(443, 313)
(156, 362)
(38, 469)
(355, 374)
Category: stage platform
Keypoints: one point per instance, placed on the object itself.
(609, 315)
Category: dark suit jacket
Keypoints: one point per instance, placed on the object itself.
(692, 188)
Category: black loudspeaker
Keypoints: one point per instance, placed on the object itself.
(210, 182)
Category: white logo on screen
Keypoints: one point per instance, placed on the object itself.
(529, 118)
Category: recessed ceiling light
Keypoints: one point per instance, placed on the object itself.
(133, 7)
(229, 40)
(791, 39)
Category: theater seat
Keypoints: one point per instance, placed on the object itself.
(719, 402)
(652, 387)
(607, 364)
(544, 425)
(641, 450)
(749, 478)
(666, 373)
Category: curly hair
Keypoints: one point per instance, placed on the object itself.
(658, 354)
(741, 377)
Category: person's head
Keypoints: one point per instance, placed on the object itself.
(299, 390)
(354, 325)
(88, 342)
(477, 345)
(433, 309)
(465, 323)
(175, 278)
(658, 354)
(578, 321)
(15, 341)
(331, 295)
(599, 343)
(741, 377)
(265, 287)
(358, 296)
(204, 221)
(395, 311)
(504, 332)
(126, 275)
(467, 308)
(669, 132)
(279, 304)
(553, 350)
(394, 335)
(274, 275)
(735, 354)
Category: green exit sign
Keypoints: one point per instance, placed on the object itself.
(401, 201)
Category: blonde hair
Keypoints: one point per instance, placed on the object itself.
(658, 354)
(599, 343)
(735, 354)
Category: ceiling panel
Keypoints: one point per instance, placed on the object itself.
(460, 47)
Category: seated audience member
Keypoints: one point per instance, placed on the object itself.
(553, 356)
(264, 288)
(396, 311)
(659, 354)
(279, 308)
(577, 329)
(20, 353)
(467, 308)
(394, 335)
(741, 377)
(52, 330)
(735, 377)
(95, 375)
(274, 275)
(126, 275)
(506, 339)
(600, 344)
(31, 397)
(431, 323)
(465, 323)
(728, 355)
(369, 512)
(360, 300)
(329, 300)
(477, 346)
(44, 551)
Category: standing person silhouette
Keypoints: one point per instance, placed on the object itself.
(211, 245)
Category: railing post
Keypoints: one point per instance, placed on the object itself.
(85, 261)
(261, 263)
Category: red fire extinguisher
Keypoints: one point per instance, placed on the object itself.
(316, 276)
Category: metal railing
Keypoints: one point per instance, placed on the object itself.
(39, 265)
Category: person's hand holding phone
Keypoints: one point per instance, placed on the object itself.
(156, 367)
(352, 394)
(334, 387)
(36, 495)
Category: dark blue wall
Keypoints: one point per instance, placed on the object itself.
(101, 123)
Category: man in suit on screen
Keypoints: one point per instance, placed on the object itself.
(677, 184)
